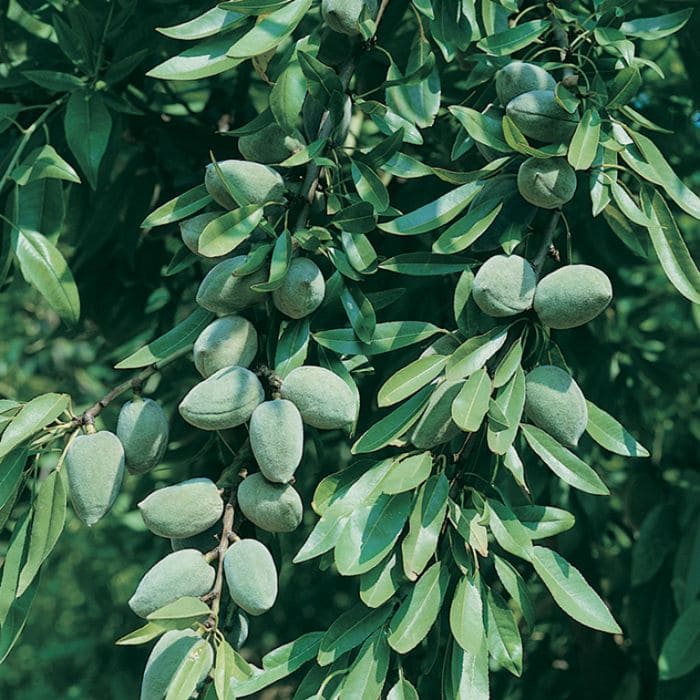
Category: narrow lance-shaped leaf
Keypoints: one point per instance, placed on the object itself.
(565, 464)
(609, 433)
(412, 621)
(472, 402)
(409, 379)
(435, 214)
(571, 591)
(584, 144)
(179, 207)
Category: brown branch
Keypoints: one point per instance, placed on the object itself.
(228, 534)
(134, 383)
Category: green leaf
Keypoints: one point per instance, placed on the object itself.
(359, 311)
(472, 403)
(15, 620)
(44, 267)
(609, 433)
(186, 608)
(178, 338)
(584, 143)
(205, 25)
(33, 417)
(287, 96)
(508, 365)
(380, 583)
(196, 664)
(409, 379)
(254, 7)
(370, 534)
(323, 537)
(226, 669)
(142, 635)
(435, 214)
(571, 592)
(424, 526)
(517, 588)
(47, 526)
(413, 620)
(179, 207)
(468, 229)
(367, 674)
(670, 247)
(407, 473)
(392, 425)
(565, 464)
(292, 347)
(349, 631)
(513, 39)
(424, 264)
(322, 80)
(509, 532)
(469, 672)
(270, 30)
(624, 87)
(680, 653)
(387, 337)
(656, 27)
(55, 81)
(402, 689)
(510, 400)
(544, 521)
(15, 556)
(369, 186)
(201, 61)
(357, 218)
(466, 614)
(656, 169)
(225, 233)
(11, 469)
(517, 141)
(360, 252)
(279, 264)
(475, 352)
(503, 636)
(304, 155)
(44, 163)
(483, 128)
(88, 125)
(280, 663)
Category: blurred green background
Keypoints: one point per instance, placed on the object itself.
(640, 362)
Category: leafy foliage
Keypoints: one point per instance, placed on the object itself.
(440, 509)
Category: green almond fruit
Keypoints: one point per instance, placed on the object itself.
(254, 183)
(251, 576)
(269, 145)
(539, 116)
(191, 229)
(548, 183)
(435, 426)
(504, 286)
(222, 292)
(168, 654)
(182, 510)
(519, 77)
(95, 466)
(343, 16)
(204, 541)
(230, 340)
(227, 399)
(276, 435)
(271, 507)
(239, 628)
(555, 403)
(324, 400)
(302, 291)
(572, 295)
(180, 574)
(142, 428)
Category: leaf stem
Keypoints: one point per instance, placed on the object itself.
(28, 133)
